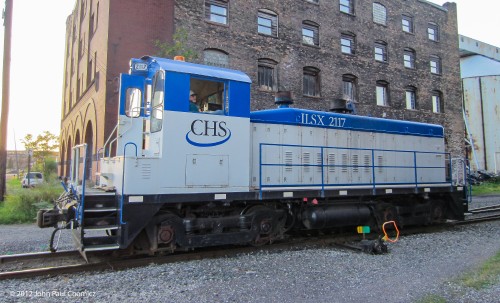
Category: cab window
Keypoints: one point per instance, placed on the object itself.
(133, 102)
(157, 102)
(210, 96)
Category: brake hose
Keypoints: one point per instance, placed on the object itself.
(386, 237)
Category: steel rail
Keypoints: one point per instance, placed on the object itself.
(297, 243)
(37, 255)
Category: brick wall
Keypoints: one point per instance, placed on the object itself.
(245, 46)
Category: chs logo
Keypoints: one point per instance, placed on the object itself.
(205, 133)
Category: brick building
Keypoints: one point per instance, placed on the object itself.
(394, 58)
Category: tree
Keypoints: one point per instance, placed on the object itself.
(177, 47)
(42, 146)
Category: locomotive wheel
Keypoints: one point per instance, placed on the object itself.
(264, 224)
(437, 212)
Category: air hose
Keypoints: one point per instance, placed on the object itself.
(386, 236)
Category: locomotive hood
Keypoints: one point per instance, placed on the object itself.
(294, 116)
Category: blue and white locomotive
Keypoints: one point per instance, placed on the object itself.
(170, 178)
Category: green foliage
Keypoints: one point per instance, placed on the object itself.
(486, 275)
(22, 204)
(177, 47)
(490, 187)
(42, 148)
(432, 299)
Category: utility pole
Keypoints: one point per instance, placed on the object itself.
(5, 96)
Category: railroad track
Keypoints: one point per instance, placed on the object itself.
(59, 261)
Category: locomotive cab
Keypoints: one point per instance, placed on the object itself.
(155, 112)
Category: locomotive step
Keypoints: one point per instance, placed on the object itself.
(101, 247)
(99, 222)
(101, 227)
(101, 240)
(100, 210)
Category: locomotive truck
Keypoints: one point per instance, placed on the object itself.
(172, 179)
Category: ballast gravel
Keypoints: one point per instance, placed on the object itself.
(416, 267)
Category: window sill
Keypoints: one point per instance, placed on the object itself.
(263, 90)
(382, 62)
(349, 54)
(311, 45)
(217, 23)
(311, 2)
(312, 97)
(348, 14)
(435, 74)
(409, 33)
(267, 36)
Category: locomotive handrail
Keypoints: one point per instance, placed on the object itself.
(123, 177)
(108, 140)
(74, 178)
(321, 165)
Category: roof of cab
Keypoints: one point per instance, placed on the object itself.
(198, 69)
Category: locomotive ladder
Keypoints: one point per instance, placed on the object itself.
(100, 225)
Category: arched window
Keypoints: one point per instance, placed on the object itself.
(347, 6)
(350, 87)
(435, 65)
(407, 23)
(379, 13)
(216, 57)
(411, 97)
(437, 101)
(433, 31)
(380, 51)
(409, 57)
(310, 33)
(267, 74)
(382, 93)
(311, 81)
(216, 11)
(348, 43)
(267, 22)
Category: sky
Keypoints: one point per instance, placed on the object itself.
(37, 65)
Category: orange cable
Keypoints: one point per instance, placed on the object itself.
(386, 237)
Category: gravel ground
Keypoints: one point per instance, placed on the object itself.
(416, 266)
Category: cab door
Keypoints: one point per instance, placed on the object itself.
(131, 113)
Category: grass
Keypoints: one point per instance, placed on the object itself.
(432, 298)
(22, 204)
(487, 188)
(486, 275)
(483, 277)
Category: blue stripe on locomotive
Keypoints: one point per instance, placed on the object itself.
(294, 116)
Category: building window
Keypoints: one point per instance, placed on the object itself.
(437, 102)
(411, 97)
(310, 33)
(433, 31)
(382, 93)
(350, 87)
(347, 6)
(409, 58)
(313, 1)
(311, 86)
(267, 23)
(435, 64)
(380, 51)
(347, 43)
(216, 11)
(379, 13)
(407, 22)
(215, 57)
(267, 78)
